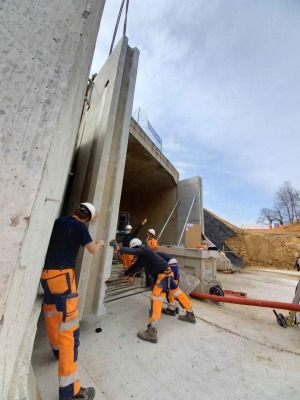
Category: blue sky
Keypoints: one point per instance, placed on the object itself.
(220, 83)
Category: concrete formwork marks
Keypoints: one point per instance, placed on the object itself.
(46, 54)
(100, 167)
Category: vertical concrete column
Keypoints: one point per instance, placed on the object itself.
(187, 189)
(100, 167)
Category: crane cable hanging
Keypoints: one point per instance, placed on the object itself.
(117, 24)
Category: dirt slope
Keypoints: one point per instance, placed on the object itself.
(275, 248)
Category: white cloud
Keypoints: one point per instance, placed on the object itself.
(220, 84)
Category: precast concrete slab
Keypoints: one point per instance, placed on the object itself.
(187, 189)
(232, 351)
(47, 50)
(99, 168)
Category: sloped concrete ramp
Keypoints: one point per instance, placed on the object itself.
(217, 232)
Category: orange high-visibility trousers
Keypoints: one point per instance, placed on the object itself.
(159, 291)
(127, 260)
(61, 317)
(172, 303)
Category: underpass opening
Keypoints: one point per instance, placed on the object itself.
(149, 187)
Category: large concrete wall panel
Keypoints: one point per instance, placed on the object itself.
(187, 189)
(47, 50)
(100, 167)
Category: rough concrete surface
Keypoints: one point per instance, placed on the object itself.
(46, 53)
(99, 168)
(186, 190)
(234, 351)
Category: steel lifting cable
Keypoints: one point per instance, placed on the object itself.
(117, 24)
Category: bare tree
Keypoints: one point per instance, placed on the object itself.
(266, 217)
(287, 200)
(279, 215)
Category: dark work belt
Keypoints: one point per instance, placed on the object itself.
(60, 268)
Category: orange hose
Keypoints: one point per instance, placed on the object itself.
(247, 302)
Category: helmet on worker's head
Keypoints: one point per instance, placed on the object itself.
(135, 243)
(128, 227)
(172, 261)
(88, 209)
(152, 231)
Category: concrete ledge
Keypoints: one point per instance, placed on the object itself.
(140, 135)
(200, 263)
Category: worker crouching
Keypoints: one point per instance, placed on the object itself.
(158, 268)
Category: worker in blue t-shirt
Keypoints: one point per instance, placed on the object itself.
(61, 298)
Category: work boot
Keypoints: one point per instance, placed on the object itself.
(168, 311)
(188, 317)
(149, 335)
(83, 394)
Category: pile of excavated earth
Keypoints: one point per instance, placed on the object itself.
(267, 248)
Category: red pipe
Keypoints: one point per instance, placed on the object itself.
(247, 302)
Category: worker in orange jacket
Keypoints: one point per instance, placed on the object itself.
(128, 259)
(61, 298)
(151, 241)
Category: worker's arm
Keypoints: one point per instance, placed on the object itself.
(128, 250)
(93, 247)
(133, 269)
(135, 233)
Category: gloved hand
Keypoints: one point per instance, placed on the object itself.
(113, 243)
(121, 274)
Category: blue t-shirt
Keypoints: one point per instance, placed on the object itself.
(67, 236)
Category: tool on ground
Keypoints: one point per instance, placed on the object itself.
(280, 319)
(291, 319)
(216, 291)
(168, 219)
(187, 218)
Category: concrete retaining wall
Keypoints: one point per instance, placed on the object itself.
(47, 49)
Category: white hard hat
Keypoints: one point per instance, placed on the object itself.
(135, 243)
(128, 227)
(172, 261)
(152, 231)
(90, 207)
